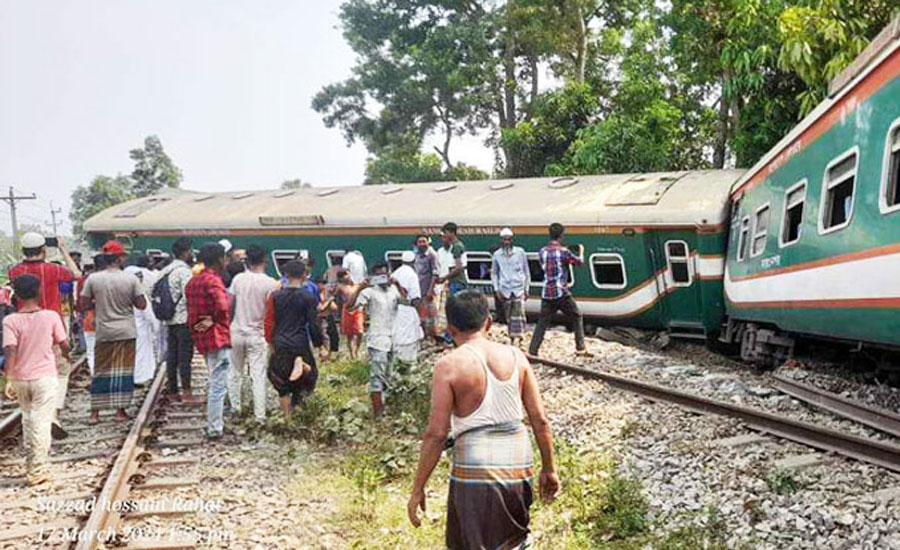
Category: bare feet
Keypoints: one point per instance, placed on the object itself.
(121, 416)
(95, 417)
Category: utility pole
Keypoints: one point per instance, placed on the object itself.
(12, 199)
(53, 213)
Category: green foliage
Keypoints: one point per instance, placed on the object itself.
(543, 140)
(820, 38)
(710, 535)
(782, 482)
(102, 193)
(153, 169)
(295, 184)
(411, 167)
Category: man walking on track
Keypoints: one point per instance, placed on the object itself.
(29, 338)
(249, 351)
(556, 259)
(290, 324)
(511, 279)
(480, 394)
(172, 310)
(113, 294)
(209, 319)
(50, 275)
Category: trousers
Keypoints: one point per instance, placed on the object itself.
(569, 308)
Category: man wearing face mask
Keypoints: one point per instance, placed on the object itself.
(380, 298)
(511, 279)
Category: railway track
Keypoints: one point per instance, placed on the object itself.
(874, 452)
(122, 485)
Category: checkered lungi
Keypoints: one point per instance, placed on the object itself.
(112, 386)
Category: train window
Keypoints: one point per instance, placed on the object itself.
(890, 184)
(678, 259)
(743, 239)
(760, 230)
(536, 271)
(281, 257)
(478, 267)
(838, 187)
(392, 257)
(792, 218)
(334, 257)
(608, 271)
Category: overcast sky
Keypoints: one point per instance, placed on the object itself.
(226, 85)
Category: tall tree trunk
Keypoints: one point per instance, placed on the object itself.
(509, 82)
(444, 151)
(723, 125)
(532, 100)
(581, 45)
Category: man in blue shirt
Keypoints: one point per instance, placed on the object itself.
(511, 278)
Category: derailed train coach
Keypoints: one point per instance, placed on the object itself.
(814, 246)
(654, 244)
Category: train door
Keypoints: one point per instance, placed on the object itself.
(680, 287)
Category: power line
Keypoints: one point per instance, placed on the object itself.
(12, 200)
(53, 214)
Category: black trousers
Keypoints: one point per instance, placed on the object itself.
(334, 336)
(178, 358)
(566, 304)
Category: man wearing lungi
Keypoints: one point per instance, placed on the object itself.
(352, 320)
(511, 279)
(480, 394)
(113, 294)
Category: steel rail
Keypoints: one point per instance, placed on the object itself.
(102, 523)
(865, 450)
(879, 419)
(13, 420)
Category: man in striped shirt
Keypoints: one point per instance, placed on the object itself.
(555, 260)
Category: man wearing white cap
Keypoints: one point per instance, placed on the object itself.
(34, 248)
(511, 279)
(407, 327)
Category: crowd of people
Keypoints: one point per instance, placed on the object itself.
(222, 304)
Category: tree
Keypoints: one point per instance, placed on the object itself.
(153, 169)
(295, 184)
(102, 193)
(404, 166)
(820, 38)
(544, 140)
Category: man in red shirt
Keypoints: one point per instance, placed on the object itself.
(209, 317)
(34, 248)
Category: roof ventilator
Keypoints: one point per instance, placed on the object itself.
(563, 182)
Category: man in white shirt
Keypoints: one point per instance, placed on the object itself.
(355, 265)
(407, 328)
(380, 298)
(249, 350)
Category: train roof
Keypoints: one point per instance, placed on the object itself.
(839, 103)
(693, 198)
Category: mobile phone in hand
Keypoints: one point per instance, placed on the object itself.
(52, 242)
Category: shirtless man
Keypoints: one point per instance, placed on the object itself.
(480, 394)
(352, 321)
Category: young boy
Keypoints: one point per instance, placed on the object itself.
(28, 340)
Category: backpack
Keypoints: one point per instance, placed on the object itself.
(161, 299)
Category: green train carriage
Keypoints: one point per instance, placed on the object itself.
(654, 244)
(814, 245)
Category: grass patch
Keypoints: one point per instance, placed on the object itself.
(369, 476)
(782, 482)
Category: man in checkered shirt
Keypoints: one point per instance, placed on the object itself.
(556, 296)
